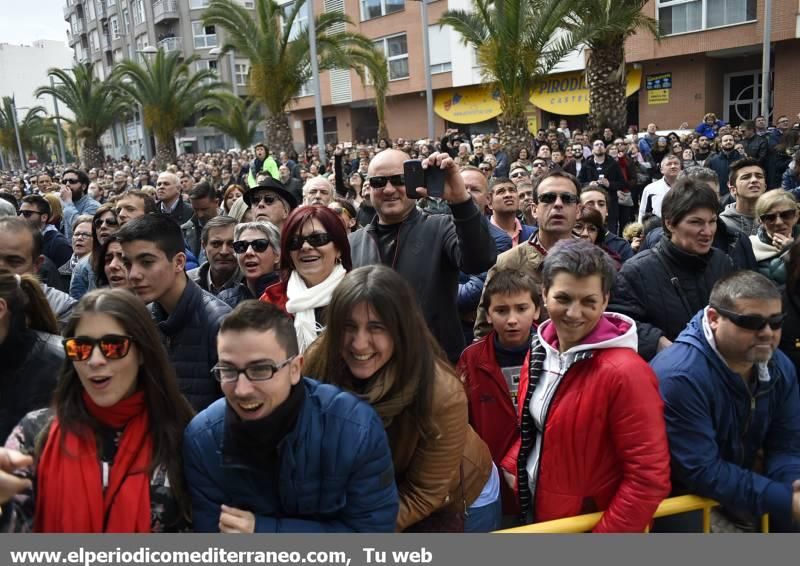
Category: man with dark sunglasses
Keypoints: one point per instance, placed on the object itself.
(77, 202)
(732, 406)
(428, 250)
(270, 202)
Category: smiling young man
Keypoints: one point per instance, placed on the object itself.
(747, 183)
(732, 406)
(284, 453)
(187, 317)
(428, 250)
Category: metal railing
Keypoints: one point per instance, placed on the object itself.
(164, 8)
(668, 507)
(170, 44)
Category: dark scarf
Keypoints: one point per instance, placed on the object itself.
(19, 342)
(684, 261)
(256, 442)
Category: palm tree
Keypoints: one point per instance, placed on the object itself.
(605, 25)
(170, 94)
(280, 57)
(33, 125)
(518, 43)
(95, 105)
(238, 120)
(379, 76)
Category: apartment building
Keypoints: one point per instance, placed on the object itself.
(104, 32)
(710, 59)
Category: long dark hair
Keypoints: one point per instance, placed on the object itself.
(417, 355)
(169, 411)
(26, 303)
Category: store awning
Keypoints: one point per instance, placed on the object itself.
(467, 105)
(567, 94)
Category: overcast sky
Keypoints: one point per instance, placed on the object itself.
(24, 21)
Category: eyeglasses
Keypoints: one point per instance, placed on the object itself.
(518, 174)
(28, 213)
(81, 235)
(259, 246)
(112, 346)
(379, 181)
(267, 198)
(566, 198)
(485, 168)
(71, 181)
(540, 164)
(786, 216)
(315, 240)
(256, 372)
(110, 221)
(752, 321)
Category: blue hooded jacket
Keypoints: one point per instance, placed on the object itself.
(716, 427)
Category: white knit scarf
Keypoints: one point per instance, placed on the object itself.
(303, 300)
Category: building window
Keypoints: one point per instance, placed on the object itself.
(114, 23)
(138, 11)
(307, 89)
(90, 10)
(205, 37)
(198, 4)
(439, 48)
(377, 8)
(118, 55)
(241, 74)
(396, 50)
(94, 40)
(300, 20)
(126, 21)
(141, 43)
(111, 2)
(682, 16)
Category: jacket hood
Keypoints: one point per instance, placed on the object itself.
(612, 331)
(731, 212)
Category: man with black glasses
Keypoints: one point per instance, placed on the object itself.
(270, 202)
(428, 250)
(75, 198)
(261, 459)
(732, 407)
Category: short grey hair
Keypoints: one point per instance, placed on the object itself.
(214, 223)
(6, 208)
(743, 284)
(703, 174)
(267, 228)
(579, 258)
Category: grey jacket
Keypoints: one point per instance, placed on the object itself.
(200, 276)
(61, 303)
(736, 222)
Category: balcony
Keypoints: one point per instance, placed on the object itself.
(78, 28)
(170, 44)
(164, 10)
(68, 8)
(100, 10)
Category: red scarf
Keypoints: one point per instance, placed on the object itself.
(69, 489)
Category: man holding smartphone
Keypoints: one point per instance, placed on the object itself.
(428, 250)
(601, 171)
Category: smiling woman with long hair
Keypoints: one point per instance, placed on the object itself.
(107, 453)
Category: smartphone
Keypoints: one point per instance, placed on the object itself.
(348, 145)
(431, 178)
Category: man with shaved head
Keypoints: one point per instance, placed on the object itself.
(168, 191)
(428, 250)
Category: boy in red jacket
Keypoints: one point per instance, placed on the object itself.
(489, 368)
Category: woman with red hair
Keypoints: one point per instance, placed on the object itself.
(315, 256)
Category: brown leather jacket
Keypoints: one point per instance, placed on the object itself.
(428, 470)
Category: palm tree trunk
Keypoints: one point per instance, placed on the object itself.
(278, 134)
(92, 154)
(513, 133)
(606, 77)
(165, 152)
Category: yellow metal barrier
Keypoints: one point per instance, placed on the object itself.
(671, 506)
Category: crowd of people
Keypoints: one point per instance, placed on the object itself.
(256, 342)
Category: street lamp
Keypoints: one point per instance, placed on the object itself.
(16, 131)
(147, 50)
(58, 123)
(426, 55)
(312, 43)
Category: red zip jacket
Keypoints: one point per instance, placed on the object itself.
(604, 445)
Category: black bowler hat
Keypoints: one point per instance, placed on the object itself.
(270, 184)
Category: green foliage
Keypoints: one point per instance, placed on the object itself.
(238, 120)
(32, 125)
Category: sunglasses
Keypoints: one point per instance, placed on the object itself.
(107, 221)
(71, 181)
(566, 198)
(786, 216)
(28, 213)
(258, 199)
(518, 174)
(379, 181)
(259, 246)
(752, 321)
(540, 164)
(315, 240)
(112, 346)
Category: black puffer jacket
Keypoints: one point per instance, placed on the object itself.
(430, 252)
(31, 364)
(663, 288)
(190, 336)
(790, 337)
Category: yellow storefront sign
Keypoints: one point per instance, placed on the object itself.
(567, 94)
(467, 105)
(660, 96)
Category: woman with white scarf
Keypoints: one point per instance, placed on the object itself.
(315, 256)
